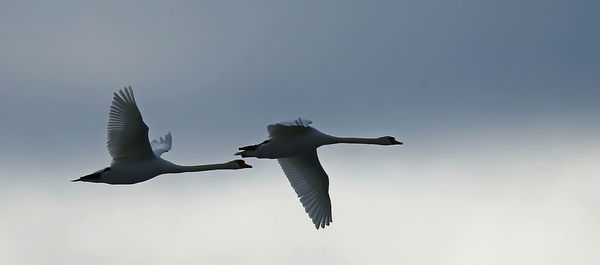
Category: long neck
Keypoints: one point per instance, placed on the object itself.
(181, 169)
(354, 140)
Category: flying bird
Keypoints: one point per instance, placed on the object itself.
(294, 144)
(135, 159)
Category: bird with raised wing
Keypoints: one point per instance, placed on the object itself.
(294, 144)
(135, 159)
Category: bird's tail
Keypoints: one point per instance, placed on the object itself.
(250, 150)
(245, 153)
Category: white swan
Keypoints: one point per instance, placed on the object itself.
(294, 144)
(134, 158)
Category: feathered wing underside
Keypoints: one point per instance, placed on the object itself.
(162, 145)
(127, 132)
(311, 184)
(288, 128)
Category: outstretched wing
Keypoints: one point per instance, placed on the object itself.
(162, 145)
(288, 128)
(127, 133)
(311, 183)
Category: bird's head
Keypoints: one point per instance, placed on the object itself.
(388, 140)
(239, 164)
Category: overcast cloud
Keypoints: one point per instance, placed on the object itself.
(497, 102)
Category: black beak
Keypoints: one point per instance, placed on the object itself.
(396, 142)
(76, 180)
(242, 163)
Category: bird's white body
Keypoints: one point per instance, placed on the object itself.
(135, 159)
(131, 173)
(294, 144)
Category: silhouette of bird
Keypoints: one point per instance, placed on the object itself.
(135, 159)
(294, 144)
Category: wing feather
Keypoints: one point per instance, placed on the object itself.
(127, 137)
(162, 145)
(288, 128)
(311, 184)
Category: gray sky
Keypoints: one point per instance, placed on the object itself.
(497, 102)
